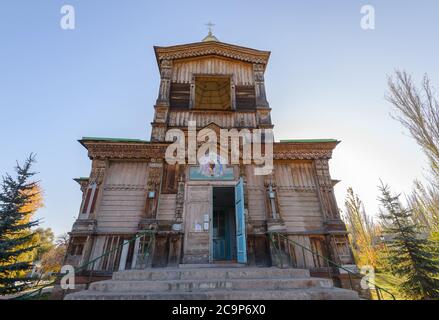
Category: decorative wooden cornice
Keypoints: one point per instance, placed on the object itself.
(303, 150)
(125, 187)
(199, 49)
(150, 151)
(124, 150)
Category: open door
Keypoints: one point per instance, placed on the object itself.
(240, 223)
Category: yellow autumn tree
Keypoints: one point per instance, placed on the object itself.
(362, 230)
(35, 203)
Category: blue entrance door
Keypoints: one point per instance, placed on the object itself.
(219, 235)
(240, 223)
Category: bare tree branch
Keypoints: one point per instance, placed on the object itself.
(418, 111)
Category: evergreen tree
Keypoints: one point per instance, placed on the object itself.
(411, 257)
(17, 240)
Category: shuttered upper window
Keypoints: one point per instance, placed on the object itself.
(245, 97)
(90, 199)
(180, 95)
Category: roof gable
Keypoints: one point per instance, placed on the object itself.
(217, 48)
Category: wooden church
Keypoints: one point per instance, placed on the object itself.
(195, 219)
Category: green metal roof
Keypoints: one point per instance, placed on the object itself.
(309, 140)
(144, 141)
(112, 139)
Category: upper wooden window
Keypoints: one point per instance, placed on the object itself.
(213, 92)
(90, 199)
(87, 201)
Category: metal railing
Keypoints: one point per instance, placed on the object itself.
(329, 264)
(144, 255)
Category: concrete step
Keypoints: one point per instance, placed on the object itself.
(210, 273)
(211, 284)
(212, 265)
(214, 284)
(293, 294)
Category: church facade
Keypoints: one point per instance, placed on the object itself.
(212, 214)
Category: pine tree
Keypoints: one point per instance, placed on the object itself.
(411, 257)
(17, 240)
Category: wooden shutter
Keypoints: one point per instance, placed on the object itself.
(245, 97)
(180, 95)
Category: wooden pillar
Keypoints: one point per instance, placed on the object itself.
(325, 190)
(272, 200)
(153, 189)
(135, 253)
(192, 94)
(232, 94)
(165, 82)
(124, 255)
(87, 250)
(261, 98)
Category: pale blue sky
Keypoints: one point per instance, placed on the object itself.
(326, 79)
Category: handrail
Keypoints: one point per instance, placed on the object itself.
(91, 262)
(349, 272)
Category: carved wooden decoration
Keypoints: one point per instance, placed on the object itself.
(165, 82)
(171, 174)
(153, 185)
(180, 200)
(272, 200)
(98, 172)
(261, 98)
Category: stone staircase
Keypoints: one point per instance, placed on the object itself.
(219, 283)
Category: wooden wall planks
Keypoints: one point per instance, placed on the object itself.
(242, 72)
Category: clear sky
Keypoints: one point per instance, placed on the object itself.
(326, 79)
